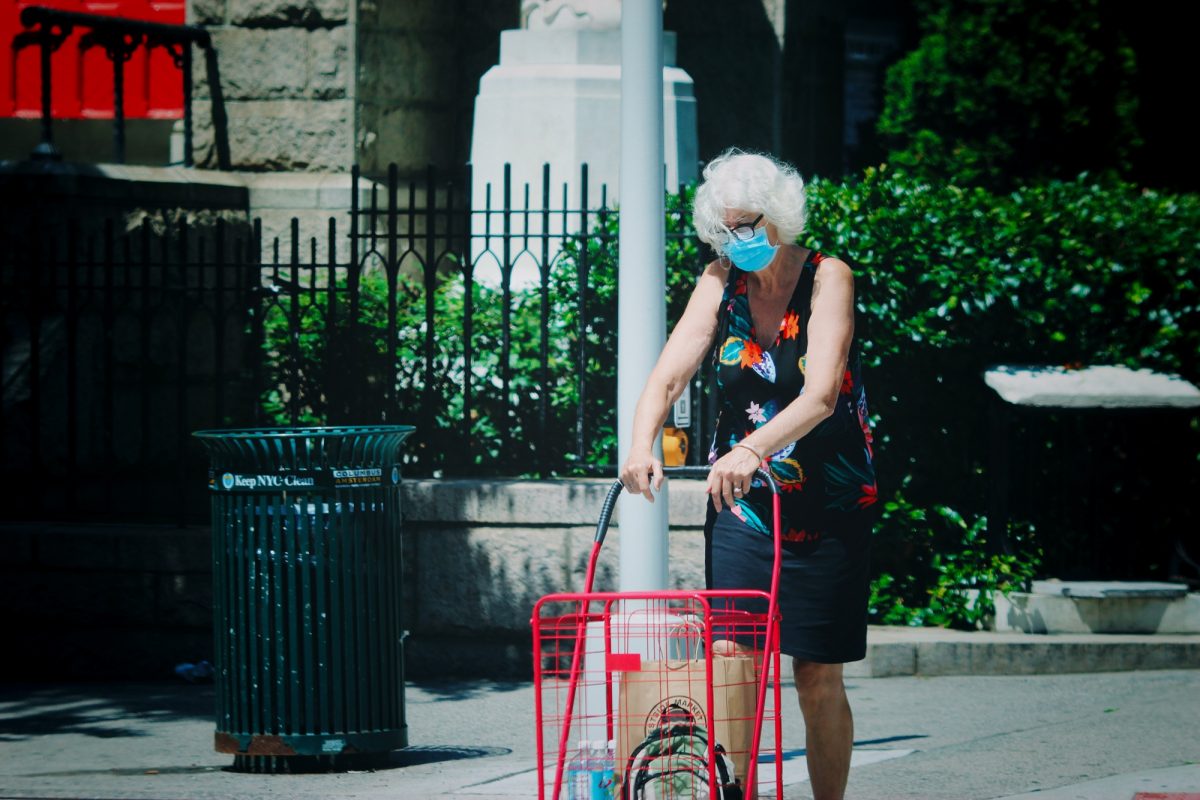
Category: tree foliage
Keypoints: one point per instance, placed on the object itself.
(999, 92)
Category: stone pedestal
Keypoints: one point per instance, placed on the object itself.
(555, 98)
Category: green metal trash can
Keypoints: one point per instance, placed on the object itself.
(308, 646)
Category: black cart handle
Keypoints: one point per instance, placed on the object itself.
(610, 502)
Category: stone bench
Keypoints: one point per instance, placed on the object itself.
(1100, 607)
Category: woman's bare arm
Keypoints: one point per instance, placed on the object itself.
(686, 348)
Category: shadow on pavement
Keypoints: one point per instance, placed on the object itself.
(115, 710)
(102, 710)
(430, 754)
(399, 759)
(890, 739)
(463, 689)
(769, 758)
(137, 771)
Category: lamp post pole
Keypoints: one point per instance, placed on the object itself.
(641, 305)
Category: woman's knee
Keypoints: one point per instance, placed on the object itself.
(814, 679)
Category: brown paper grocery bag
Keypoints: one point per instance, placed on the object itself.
(673, 692)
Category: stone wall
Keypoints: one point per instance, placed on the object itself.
(419, 64)
(735, 106)
(479, 554)
(315, 85)
(128, 601)
(287, 82)
(787, 87)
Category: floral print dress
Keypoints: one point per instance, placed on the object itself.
(826, 478)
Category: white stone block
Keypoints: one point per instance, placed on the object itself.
(335, 191)
(555, 98)
(1182, 616)
(1092, 387)
(1109, 589)
(287, 190)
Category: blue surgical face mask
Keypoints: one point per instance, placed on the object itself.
(751, 254)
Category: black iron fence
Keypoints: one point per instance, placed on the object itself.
(491, 328)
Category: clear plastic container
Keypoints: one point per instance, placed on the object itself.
(579, 772)
(604, 773)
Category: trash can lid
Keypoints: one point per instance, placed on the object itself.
(298, 432)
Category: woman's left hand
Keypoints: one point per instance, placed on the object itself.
(730, 477)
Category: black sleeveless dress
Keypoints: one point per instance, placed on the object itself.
(826, 478)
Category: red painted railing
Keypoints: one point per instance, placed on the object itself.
(83, 78)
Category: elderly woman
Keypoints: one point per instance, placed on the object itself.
(781, 317)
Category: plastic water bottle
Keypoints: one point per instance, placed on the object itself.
(578, 773)
(604, 772)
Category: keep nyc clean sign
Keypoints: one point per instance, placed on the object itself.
(308, 480)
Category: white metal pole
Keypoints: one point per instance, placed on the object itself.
(641, 303)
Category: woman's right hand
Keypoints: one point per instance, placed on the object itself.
(637, 472)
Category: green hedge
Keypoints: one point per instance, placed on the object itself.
(1079, 271)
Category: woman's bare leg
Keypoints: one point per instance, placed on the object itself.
(828, 724)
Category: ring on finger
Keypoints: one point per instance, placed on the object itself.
(737, 490)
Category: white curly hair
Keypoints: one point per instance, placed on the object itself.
(751, 182)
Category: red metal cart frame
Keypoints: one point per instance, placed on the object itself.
(678, 622)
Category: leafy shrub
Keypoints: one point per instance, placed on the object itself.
(951, 574)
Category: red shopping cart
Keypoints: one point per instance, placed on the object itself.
(672, 687)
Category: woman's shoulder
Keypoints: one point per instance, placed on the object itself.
(826, 265)
(711, 286)
(819, 257)
(718, 272)
(720, 266)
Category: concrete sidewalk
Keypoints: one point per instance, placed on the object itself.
(1059, 737)
(1101, 735)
